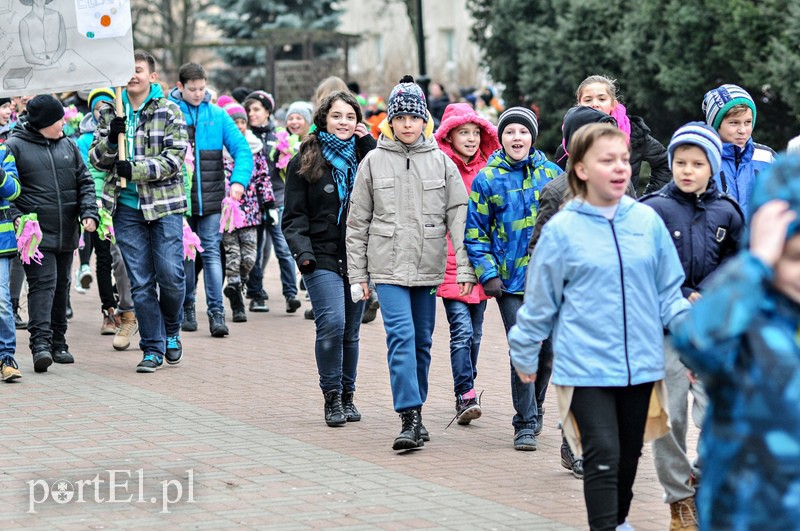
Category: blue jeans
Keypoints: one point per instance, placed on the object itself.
(466, 329)
(526, 397)
(207, 228)
(338, 321)
(8, 333)
(153, 255)
(48, 291)
(272, 237)
(409, 315)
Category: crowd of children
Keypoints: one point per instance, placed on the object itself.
(419, 198)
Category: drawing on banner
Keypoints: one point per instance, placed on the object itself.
(63, 45)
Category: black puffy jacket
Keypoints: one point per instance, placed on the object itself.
(706, 229)
(56, 185)
(645, 147)
(310, 215)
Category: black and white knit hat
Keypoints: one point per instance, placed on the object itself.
(518, 115)
(407, 98)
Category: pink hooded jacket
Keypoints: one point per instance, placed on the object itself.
(456, 115)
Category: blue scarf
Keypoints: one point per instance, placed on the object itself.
(342, 156)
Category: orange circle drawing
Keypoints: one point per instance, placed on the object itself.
(105, 21)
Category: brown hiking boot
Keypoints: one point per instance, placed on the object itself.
(127, 328)
(110, 323)
(683, 515)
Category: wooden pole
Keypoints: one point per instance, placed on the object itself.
(121, 140)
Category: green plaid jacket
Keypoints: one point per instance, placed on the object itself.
(160, 145)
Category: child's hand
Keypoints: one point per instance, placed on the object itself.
(695, 296)
(361, 130)
(526, 378)
(237, 190)
(493, 287)
(692, 377)
(365, 287)
(89, 225)
(465, 288)
(768, 230)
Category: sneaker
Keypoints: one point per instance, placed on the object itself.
(174, 353)
(467, 408)
(259, 304)
(309, 314)
(150, 363)
(569, 461)
(525, 441)
(683, 515)
(292, 305)
(84, 277)
(61, 354)
(9, 370)
(110, 323)
(189, 323)
(128, 326)
(625, 526)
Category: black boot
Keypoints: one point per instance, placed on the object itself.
(19, 324)
(189, 323)
(423, 431)
(350, 410)
(409, 437)
(334, 412)
(234, 293)
(42, 358)
(216, 324)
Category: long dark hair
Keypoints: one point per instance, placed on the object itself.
(312, 162)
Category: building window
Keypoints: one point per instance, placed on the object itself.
(449, 41)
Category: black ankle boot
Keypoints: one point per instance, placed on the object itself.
(334, 412)
(234, 293)
(350, 412)
(189, 319)
(409, 437)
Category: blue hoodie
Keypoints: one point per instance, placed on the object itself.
(606, 289)
(211, 130)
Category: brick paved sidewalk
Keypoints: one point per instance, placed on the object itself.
(240, 422)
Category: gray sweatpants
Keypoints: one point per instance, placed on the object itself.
(121, 280)
(673, 467)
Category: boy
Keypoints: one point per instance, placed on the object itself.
(6, 110)
(408, 195)
(731, 111)
(706, 226)
(500, 219)
(56, 185)
(148, 211)
(741, 339)
(210, 130)
(9, 190)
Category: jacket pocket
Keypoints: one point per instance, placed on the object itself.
(380, 247)
(383, 196)
(434, 250)
(434, 197)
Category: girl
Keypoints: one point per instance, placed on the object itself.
(408, 195)
(319, 182)
(606, 279)
(298, 119)
(600, 92)
(469, 140)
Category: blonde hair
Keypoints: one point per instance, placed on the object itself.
(581, 142)
(611, 86)
(737, 110)
(326, 87)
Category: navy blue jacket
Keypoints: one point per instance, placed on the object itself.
(705, 228)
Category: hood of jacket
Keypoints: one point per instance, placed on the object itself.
(578, 116)
(456, 115)
(626, 203)
(389, 143)
(176, 96)
(253, 141)
(88, 124)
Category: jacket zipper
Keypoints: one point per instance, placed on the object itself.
(58, 194)
(624, 302)
(197, 161)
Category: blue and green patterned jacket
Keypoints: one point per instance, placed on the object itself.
(501, 215)
(9, 190)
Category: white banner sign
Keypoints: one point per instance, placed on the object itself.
(63, 45)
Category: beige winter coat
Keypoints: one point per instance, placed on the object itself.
(405, 200)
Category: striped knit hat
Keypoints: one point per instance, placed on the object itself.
(717, 102)
(235, 110)
(100, 94)
(518, 115)
(700, 135)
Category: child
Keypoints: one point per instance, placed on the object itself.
(407, 196)
(319, 183)
(56, 185)
(240, 245)
(9, 190)
(6, 110)
(741, 339)
(731, 111)
(605, 280)
(600, 92)
(706, 226)
(502, 211)
(298, 119)
(469, 140)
